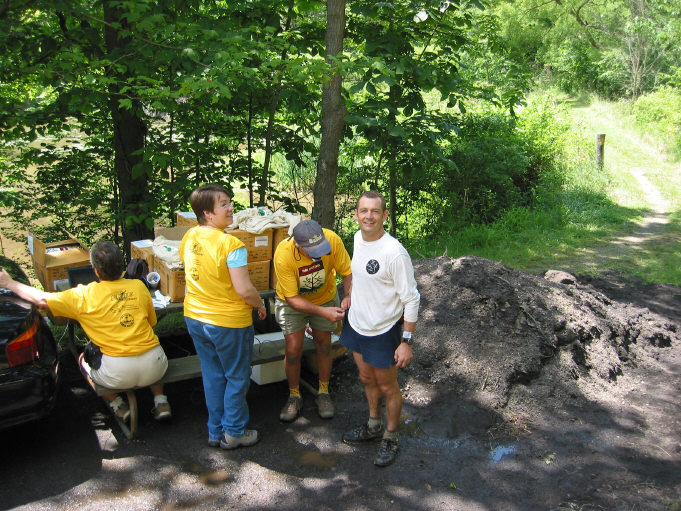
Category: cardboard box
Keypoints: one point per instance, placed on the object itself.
(143, 249)
(279, 235)
(259, 246)
(259, 272)
(172, 282)
(50, 260)
(186, 218)
(273, 276)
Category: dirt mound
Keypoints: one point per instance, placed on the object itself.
(485, 329)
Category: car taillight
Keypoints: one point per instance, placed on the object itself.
(23, 349)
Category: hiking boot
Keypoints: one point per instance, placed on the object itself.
(291, 409)
(362, 433)
(325, 406)
(162, 412)
(214, 442)
(250, 437)
(120, 409)
(387, 452)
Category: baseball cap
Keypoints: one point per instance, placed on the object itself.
(310, 237)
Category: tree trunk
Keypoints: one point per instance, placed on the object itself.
(332, 123)
(128, 139)
(265, 179)
(393, 202)
(249, 143)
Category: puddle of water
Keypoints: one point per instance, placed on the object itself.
(208, 476)
(316, 459)
(500, 451)
(411, 427)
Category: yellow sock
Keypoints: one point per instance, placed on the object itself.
(323, 387)
(294, 392)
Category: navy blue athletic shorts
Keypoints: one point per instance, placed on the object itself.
(377, 350)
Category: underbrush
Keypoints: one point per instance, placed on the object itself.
(659, 113)
(575, 206)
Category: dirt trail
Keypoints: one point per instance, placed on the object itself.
(650, 231)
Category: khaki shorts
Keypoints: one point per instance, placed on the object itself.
(129, 372)
(291, 320)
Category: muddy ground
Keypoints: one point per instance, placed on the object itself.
(546, 392)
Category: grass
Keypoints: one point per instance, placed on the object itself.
(577, 226)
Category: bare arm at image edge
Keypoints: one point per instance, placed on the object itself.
(28, 293)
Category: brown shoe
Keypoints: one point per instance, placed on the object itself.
(120, 408)
(325, 407)
(162, 412)
(291, 409)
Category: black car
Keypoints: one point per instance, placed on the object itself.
(29, 362)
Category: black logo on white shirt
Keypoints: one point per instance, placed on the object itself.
(373, 267)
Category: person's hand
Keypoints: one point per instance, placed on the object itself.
(334, 313)
(262, 312)
(345, 304)
(5, 279)
(403, 355)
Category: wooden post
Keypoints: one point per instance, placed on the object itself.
(600, 143)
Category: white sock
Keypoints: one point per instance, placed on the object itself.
(159, 399)
(116, 403)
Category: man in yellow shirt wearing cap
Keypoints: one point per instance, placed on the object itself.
(306, 266)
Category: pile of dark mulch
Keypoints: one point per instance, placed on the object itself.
(484, 328)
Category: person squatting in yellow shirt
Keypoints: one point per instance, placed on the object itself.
(218, 310)
(306, 265)
(118, 316)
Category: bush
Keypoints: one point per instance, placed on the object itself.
(572, 64)
(660, 111)
(498, 164)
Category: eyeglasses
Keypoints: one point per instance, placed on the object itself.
(226, 206)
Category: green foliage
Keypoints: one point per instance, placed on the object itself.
(489, 171)
(495, 164)
(579, 211)
(171, 324)
(573, 63)
(660, 112)
(616, 48)
(405, 54)
(111, 113)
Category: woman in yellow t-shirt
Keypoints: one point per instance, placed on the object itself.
(118, 316)
(218, 310)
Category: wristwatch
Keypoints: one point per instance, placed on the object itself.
(406, 337)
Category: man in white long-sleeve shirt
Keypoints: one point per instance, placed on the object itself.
(380, 323)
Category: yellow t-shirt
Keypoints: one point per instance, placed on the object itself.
(117, 315)
(315, 281)
(211, 297)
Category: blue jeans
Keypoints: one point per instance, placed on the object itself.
(225, 355)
